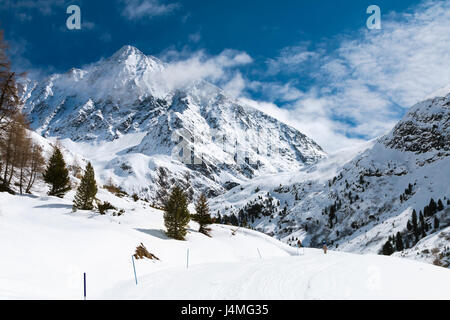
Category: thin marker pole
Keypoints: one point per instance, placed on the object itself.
(259, 253)
(134, 268)
(187, 259)
(84, 286)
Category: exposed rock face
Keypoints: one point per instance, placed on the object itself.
(426, 127)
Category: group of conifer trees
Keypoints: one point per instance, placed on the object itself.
(177, 216)
(416, 228)
(57, 177)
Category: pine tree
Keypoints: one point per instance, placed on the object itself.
(414, 224)
(87, 190)
(440, 205)
(422, 225)
(421, 219)
(426, 211)
(387, 249)
(399, 242)
(436, 223)
(330, 219)
(176, 214)
(234, 220)
(408, 226)
(203, 216)
(57, 175)
(432, 206)
(218, 219)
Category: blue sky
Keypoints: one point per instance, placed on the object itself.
(312, 64)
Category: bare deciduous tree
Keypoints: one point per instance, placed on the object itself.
(37, 165)
(12, 147)
(9, 96)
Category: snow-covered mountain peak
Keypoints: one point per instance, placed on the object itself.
(134, 60)
(127, 51)
(131, 93)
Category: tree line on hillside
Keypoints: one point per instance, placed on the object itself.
(417, 228)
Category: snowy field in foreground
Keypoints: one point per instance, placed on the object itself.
(45, 249)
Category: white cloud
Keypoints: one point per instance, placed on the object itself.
(405, 61)
(137, 9)
(274, 91)
(184, 67)
(311, 117)
(291, 59)
(235, 86)
(361, 89)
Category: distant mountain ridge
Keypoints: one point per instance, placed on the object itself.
(129, 94)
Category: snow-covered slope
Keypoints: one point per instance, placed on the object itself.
(126, 107)
(46, 248)
(356, 199)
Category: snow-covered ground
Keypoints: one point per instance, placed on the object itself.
(310, 275)
(46, 248)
